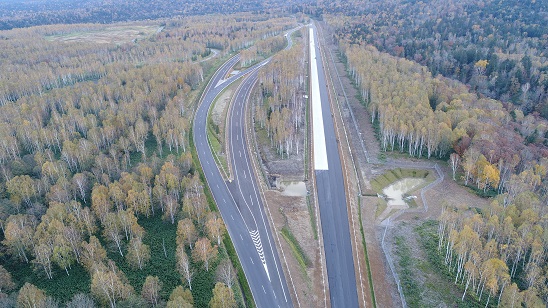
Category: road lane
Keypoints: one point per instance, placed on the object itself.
(241, 207)
(332, 195)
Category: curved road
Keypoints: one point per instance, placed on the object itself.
(239, 201)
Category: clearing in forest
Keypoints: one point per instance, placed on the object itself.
(108, 35)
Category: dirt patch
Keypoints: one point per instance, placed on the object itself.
(293, 212)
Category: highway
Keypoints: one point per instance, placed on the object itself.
(330, 190)
(239, 201)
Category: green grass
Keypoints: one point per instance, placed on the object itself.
(391, 176)
(216, 132)
(296, 249)
(369, 276)
(407, 276)
(381, 206)
(312, 215)
(60, 287)
(165, 268)
(434, 264)
(217, 149)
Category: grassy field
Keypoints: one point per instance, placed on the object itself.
(107, 35)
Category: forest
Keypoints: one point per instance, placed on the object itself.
(497, 48)
(20, 13)
(100, 197)
(497, 254)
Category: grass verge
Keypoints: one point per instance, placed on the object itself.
(296, 250)
(312, 215)
(369, 276)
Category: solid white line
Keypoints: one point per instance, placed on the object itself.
(318, 133)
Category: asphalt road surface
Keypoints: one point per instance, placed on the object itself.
(239, 201)
(333, 211)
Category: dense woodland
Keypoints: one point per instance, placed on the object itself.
(98, 181)
(279, 103)
(499, 253)
(498, 48)
(20, 13)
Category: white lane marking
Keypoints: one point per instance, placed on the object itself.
(240, 153)
(232, 216)
(241, 237)
(274, 294)
(218, 186)
(263, 289)
(245, 177)
(259, 247)
(237, 137)
(224, 200)
(251, 261)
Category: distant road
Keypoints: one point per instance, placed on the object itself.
(330, 190)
